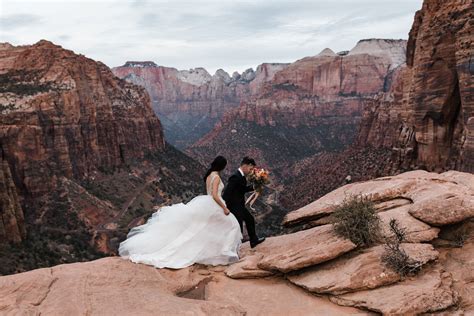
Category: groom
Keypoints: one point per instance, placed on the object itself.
(234, 196)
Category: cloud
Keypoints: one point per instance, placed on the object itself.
(228, 34)
(22, 20)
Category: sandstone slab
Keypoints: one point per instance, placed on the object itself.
(437, 199)
(444, 208)
(110, 286)
(271, 296)
(382, 189)
(247, 268)
(357, 271)
(113, 286)
(460, 263)
(302, 249)
(429, 292)
(416, 230)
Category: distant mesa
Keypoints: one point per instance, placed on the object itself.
(140, 64)
(197, 76)
(327, 52)
(395, 49)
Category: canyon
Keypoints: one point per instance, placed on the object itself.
(82, 157)
(309, 112)
(190, 102)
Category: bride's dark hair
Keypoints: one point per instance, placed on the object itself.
(218, 164)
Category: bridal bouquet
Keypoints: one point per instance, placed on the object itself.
(258, 178)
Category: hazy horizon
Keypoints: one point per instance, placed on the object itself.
(228, 35)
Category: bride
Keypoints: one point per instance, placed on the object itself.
(201, 231)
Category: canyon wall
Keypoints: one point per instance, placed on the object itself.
(65, 114)
(423, 121)
(83, 158)
(311, 106)
(190, 102)
(429, 120)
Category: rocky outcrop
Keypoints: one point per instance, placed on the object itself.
(85, 153)
(423, 120)
(190, 102)
(117, 286)
(277, 277)
(302, 249)
(360, 278)
(424, 190)
(429, 121)
(358, 272)
(430, 292)
(66, 114)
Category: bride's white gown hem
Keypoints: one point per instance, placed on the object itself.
(180, 235)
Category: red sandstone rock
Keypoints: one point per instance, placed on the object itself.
(65, 121)
(116, 286)
(436, 199)
(70, 115)
(429, 292)
(358, 272)
(302, 249)
(12, 228)
(430, 120)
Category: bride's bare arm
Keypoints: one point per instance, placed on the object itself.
(215, 195)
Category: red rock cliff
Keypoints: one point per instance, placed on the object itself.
(66, 115)
(12, 226)
(429, 121)
(190, 102)
(425, 119)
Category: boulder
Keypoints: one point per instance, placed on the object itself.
(357, 271)
(444, 208)
(302, 249)
(429, 292)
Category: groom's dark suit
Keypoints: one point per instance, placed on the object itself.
(234, 197)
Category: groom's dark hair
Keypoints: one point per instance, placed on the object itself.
(248, 161)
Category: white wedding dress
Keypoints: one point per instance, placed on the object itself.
(180, 235)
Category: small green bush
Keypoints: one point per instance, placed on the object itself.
(356, 219)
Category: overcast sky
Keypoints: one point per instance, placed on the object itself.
(228, 34)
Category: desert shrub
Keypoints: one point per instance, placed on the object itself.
(357, 220)
(394, 256)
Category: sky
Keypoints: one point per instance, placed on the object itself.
(232, 35)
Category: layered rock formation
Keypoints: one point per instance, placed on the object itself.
(423, 121)
(190, 102)
(82, 149)
(12, 227)
(66, 114)
(311, 106)
(429, 121)
(279, 275)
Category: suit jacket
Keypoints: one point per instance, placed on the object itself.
(234, 193)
